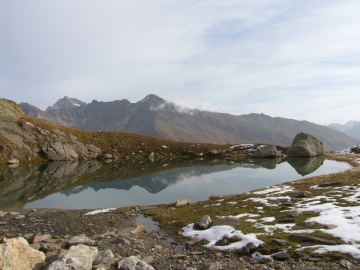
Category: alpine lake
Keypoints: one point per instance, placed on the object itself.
(95, 184)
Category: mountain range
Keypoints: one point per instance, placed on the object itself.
(158, 117)
(351, 128)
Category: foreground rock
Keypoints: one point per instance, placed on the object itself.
(16, 254)
(305, 145)
(114, 249)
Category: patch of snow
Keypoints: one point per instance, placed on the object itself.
(257, 255)
(232, 203)
(251, 220)
(353, 250)
(268, 219)
(99, 211)
(216, 233)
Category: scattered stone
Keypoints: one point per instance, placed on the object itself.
(308, 223)
(37, 238)
(13, 161)
(151, 156)
(281, 242)
(121, 240)
(16, 253)
(300, 194)
(80, 239)
(329, 226)
(286, 220)
(267, 151)
(77, 257)
(294, 213)
(213, 152)
(133, 263)
(226, 221)
(303, 237)
(205, 222)
(104, 256)
(281, 256)
(108, 156)
(193, 241)
(330, 184)
(211, 266)
(138, 229)
(181, 203)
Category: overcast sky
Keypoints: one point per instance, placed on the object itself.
(293, 59)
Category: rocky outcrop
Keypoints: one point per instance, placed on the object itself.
(16, 254)
(58, 151)
(267, 151)
(31, 140)
(305, 145)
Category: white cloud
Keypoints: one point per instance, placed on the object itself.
(283, 58)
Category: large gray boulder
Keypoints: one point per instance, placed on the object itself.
(267, 151)
(305, 145)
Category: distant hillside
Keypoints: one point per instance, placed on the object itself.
(351, 128)
(157, 117)
(26, 139)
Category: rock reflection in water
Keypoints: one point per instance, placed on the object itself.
(268, 163)
(305, 166)
(27, 184)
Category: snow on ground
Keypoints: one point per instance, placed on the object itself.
(216, 233)
(99, 211)
(349, 150)
(333, 210)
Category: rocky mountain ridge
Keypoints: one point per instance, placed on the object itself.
(156, 117)
(351, 128)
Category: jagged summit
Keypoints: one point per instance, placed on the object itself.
(152, 100)
(67, 103)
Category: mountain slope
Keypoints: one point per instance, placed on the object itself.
(157, 117)
(351, 129)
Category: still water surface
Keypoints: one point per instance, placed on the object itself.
(100, 186)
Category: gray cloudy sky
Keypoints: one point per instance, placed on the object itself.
(293, 59)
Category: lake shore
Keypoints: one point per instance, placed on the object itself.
(167, 248)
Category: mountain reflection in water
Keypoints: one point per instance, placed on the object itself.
(93, 184)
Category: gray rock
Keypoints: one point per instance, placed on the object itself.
(330, 184)
(13, 161)
(81, 239)
(181, 202)
(133, 263)
(205, 222)
(267, 151)
(305, 145)
(213, 152)
(281, 256)
(286, 220)
(226, 221)
(294, 213)
(104, 256)
(211, 266)
(57, 151)
(151, 156)
(78, 257)
(121, 240)
(303, 237)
